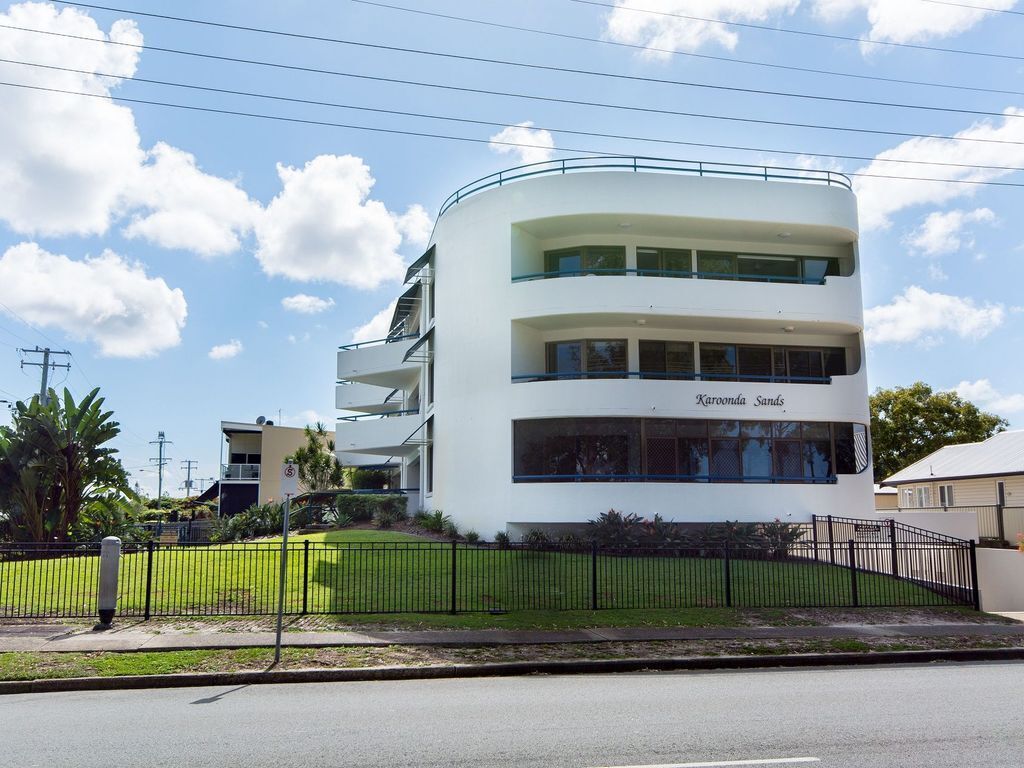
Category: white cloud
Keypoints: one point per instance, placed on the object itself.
(880, 198)
(73, 165)
(661, 34)
(917, 315)
(377, 327)
(944, 232)
(225, 351)
(186, 208)
(415, 225)
(306, 304)
(263, 324)
(533, 145)
(105, 299)
(323, 227)
(987, 397)
(308, 417)
(899, 21)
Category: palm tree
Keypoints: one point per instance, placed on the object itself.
(319, 468)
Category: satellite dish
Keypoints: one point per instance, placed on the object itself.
(261, 420)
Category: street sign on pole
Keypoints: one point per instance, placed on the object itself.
(289, 488)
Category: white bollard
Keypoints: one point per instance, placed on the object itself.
(110, 561)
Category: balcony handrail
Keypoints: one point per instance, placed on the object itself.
(381, 415)
(742, 277)
(237, 471)
(687, 376)
(642, 163)
(388, 340)
(702, 478)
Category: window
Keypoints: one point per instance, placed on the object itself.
(719, 265)
(663, 262)
(591, 359)
(718, 362)
(666, 359)
(589, 259)
(923, 496)
(678, 450)
(946, 495)
(755, 363)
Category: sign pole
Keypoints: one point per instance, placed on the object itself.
(289, 486)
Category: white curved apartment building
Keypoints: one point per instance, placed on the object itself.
(601, 333)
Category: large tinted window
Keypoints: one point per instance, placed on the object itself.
(672, 450)
(718, 361)
(588, 259)
(781, 268)
(666, 359)
(663, 262)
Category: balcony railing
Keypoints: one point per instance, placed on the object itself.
(374, 342)
(381, 415)
(669, 273)
(240, 471)
(636, 164)
(752, 377)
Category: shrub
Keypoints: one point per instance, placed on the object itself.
(780, 536)
(385, 516)
(472, 536)
(257, 520)
(433, 521)
(571, 541)
(660, 531)
(339, 519)
(738, 536)
(616, 529)
(368, 479)
(536, 538)
(450, 529)
(501, 540)
(363, 507)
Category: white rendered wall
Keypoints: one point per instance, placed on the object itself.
(488, 328)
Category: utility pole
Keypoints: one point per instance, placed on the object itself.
(160, 462)
(188, 465)
(46, 365)
(205, 482)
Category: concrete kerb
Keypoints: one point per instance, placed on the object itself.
(506, 669)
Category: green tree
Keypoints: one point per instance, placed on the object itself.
(319, 468)
(54, 460)
(908, 423)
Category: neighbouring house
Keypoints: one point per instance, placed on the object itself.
(885, 498)
(254, 453)
(985, 477)
(650, 336)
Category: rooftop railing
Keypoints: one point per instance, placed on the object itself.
(640, 163)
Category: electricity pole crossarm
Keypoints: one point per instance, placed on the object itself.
(46, 364)
(188, 465)
(160, 461)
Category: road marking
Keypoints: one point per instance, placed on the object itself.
(766, 761)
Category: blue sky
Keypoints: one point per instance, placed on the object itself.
(204, 266)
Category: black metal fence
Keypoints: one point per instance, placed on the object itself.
(894, 565)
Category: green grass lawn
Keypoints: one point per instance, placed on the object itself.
(350, 572)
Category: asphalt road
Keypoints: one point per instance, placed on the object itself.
(928, 715)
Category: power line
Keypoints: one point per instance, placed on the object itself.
(574, 71)
(692, 54)
(498, 124)
(974, 7)
(803, 32)
(425, 134)
(464, 89)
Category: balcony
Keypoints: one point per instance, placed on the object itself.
(366, 398)
(834, 306)
(380, 363)
(239, 471)
(400, 434)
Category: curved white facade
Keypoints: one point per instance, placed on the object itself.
(496, 325)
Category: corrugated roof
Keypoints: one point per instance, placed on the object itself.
(1001, 454)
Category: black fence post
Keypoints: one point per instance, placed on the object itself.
(727, 575)
(454, 590)
(150, 546)
(831, 542)
(814, 534)
(975, 588)
(305, 577)
(593, 575)
(854, 597)
(1001, 525)
(892, 544)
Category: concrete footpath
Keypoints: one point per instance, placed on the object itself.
(62, 638)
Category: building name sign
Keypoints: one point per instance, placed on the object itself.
(760, 401)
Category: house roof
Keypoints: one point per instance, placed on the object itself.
(1001, 454)
(884, 491)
